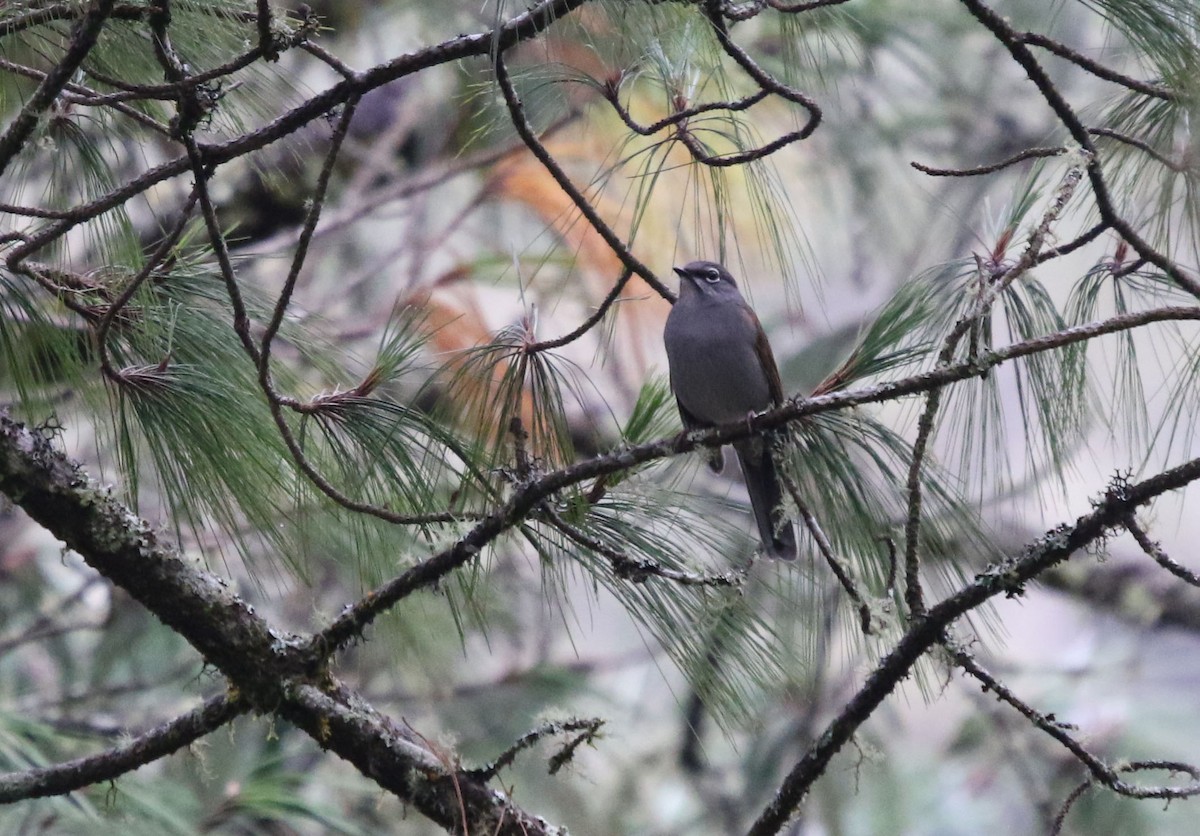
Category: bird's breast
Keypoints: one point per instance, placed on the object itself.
(715, 371)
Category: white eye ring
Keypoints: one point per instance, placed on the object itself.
(712, 275)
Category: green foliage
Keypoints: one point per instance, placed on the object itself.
(184, 412)
(186, 385)
(894, 339)
(654, 414)
(39, 355)
(1158, 183)
(242, 783)
(489, 386)
(852, 470)
(644, 521)
(1162, 33)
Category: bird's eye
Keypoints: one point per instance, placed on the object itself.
(712, 275)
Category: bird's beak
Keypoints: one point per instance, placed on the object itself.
(683, 274)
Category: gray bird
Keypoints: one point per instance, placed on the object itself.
(722, 369)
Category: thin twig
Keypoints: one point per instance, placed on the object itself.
(914, 596)
(48, 617)
(321, 53)
(609, 300)
(1156, 91)
(841, 572)
(49, 631)
(152, 263)
(685, 133)
(1027, 154)
(516, 112)
(1082, 240)
(612, 94)
(36, 212)
(637, 570)
(766, 81)
(1135, 766)
(1141, 145)
(74, 93)
(1075, 795)
(316, 203)
(1104, 773)
(171, 90)
(589, 728)
(1155, 552)
(241, 317)
(105, 766)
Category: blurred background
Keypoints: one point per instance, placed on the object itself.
(439, 219)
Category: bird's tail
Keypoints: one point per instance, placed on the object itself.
(766, 499)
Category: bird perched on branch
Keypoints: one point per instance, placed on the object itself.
(722, 369)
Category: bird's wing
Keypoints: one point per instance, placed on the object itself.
(766, 358)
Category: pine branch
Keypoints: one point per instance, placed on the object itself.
(518, 28)
(355, 618)
(160, 741)
(1008, 578)
(517, 113)
(1012, 41)
(1102, 772)
(83, 38)
(272, 671)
